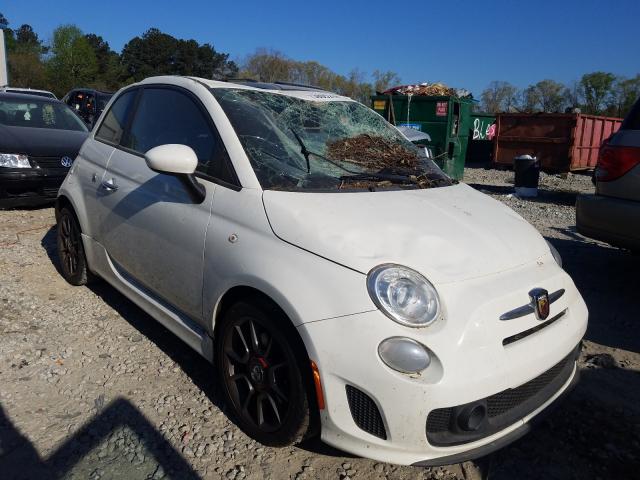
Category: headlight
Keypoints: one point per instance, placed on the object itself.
(404, 295)
(14, 160)
(555, 254)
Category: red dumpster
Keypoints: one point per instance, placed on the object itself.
(562, 142)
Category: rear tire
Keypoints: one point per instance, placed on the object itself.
(258, 359)
(73, 262)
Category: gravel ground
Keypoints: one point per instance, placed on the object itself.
(93, 388)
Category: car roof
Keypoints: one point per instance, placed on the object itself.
(23, 96)
(81, 89)
(284, 88)
(22, 89)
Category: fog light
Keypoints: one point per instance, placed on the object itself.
(404, 354)
(472, 416)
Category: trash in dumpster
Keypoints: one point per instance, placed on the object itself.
(428, 90)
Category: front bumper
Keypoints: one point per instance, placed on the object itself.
(469, 363)
(29, 186)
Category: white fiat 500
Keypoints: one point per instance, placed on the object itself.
(337, 280)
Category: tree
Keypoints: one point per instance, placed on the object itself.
(499, 96)
(269, 66)
(108, 67)
(625, 92)
(157, 53)
(597, 88)
(27, 70)
(547, 95)
(9, 36)
(384, 80)
(27, 40)
(73, 62)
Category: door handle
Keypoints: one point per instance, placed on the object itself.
(109, 185)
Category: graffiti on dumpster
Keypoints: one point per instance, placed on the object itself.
(483, 129)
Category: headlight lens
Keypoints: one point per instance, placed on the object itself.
(555, 254)
(404, 295)
(14, 160)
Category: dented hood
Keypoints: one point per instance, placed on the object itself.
(448, 234)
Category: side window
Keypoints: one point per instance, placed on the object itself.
(113, 125)
(169, 116)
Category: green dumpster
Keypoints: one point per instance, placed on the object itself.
(447, 120)
(482, 131)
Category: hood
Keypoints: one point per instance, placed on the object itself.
(448, 234)
(41, 142)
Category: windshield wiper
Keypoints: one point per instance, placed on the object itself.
(303, 150)
(394, 178)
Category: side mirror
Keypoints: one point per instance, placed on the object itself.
(172, 158)
(179, 160)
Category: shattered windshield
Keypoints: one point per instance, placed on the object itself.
(328, 143)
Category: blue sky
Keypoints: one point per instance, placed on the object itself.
(462, 43)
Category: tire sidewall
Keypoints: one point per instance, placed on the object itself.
(80, 275)
(296, 423)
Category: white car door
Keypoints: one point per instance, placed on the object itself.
(94, 157)
(154, 232)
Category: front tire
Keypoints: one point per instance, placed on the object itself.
(73, 262)
(258, 359)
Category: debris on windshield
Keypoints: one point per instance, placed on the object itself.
(373, 152)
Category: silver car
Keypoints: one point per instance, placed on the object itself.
(612, 214)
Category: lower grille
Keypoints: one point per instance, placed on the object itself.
(502, 409)
(365, 412)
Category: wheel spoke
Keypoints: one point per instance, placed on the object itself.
(245, 404)
(240, 358)
(255, 345)
(272, 402)
(232, 355)
(260, 410)
(241, 377)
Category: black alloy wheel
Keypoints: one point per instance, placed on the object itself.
(73, 262)
(260, 375)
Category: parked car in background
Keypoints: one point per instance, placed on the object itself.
(28, 91)
(87, 103)
(39, 139)
(612, 214)
(411, 318)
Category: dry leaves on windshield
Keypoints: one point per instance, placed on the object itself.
(372, 152)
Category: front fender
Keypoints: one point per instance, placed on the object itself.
(242, 250)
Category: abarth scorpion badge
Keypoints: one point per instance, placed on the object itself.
(540, 302)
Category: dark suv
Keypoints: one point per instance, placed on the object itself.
(87, 103)
(613, 213)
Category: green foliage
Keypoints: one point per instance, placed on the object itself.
(597, 88)
(157, 53)
(73, 62)
(109, 71)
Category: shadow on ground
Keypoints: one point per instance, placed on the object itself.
(607, 278)
(20, 460)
